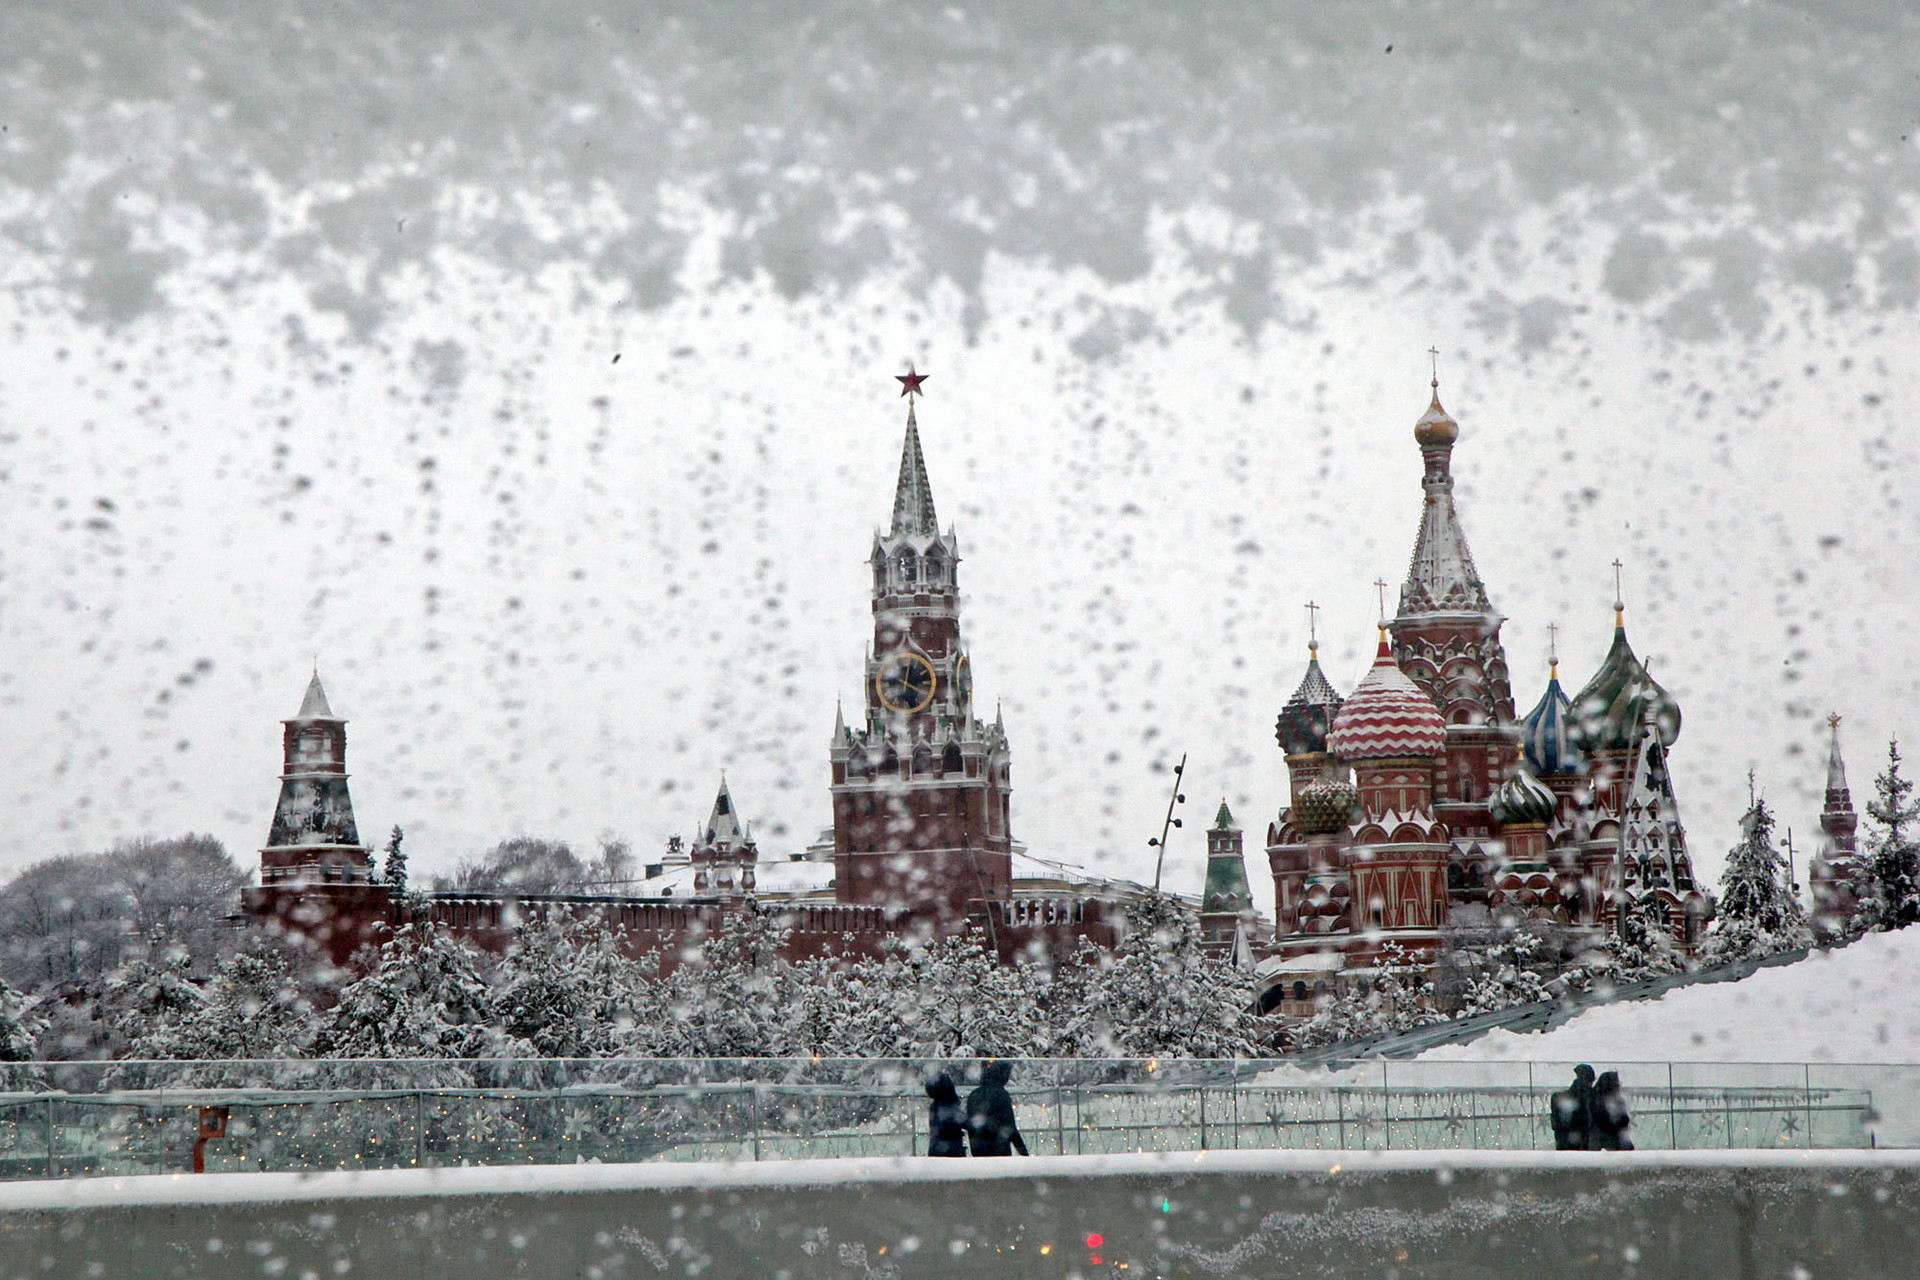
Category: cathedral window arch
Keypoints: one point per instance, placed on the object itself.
(951, 761)
(907, 565)
(934, 568)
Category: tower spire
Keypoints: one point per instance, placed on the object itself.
(913, 499)
(1440, 577)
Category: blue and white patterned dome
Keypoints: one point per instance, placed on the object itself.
(1547, 736)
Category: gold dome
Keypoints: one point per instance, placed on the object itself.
(1436, 425)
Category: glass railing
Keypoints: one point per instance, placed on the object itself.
(109, 1118)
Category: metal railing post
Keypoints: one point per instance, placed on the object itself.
(1673, 1111)
(1807, 1068)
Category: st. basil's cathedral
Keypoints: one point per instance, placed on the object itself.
(1414, 797)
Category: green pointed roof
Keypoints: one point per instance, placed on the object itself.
(1223, 820)
(1607, 715)
(1226, 888)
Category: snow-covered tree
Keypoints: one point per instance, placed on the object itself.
(1888, 888)
(396, 869)
(723, 1001)
(148, 1000)
(1395, 996)
(426, 995)
(1758, 912)
(253, 1007)
(523, 865)
(1162, 997)
(21, 1023)
(77, 918)
(567, 989)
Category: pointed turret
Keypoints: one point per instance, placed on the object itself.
(913, 512)
(1226, 899)
(314, 705)
(1308, 714)
(1836, 862)
(1446, 638)
(1653, 864)
(313, 836)
(723, 854)
(1440, 577)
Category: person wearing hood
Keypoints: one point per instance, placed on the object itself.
(1610, 1118)
(1572, 1114)
(991, 1128)
(947, 1119)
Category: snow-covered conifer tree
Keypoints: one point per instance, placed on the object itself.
(396, 869)
(1758, 912)
(253, 1008)
(722, 1000)
(149, 999)
(567, 989)
(21, 1023)
(1889, 885)
(425, 996)
(1164, 998)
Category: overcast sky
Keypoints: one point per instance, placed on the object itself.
(308, 343)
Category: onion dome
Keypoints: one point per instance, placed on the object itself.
(1608, 714)
(1325, 806)
(1436, 426)
(1547, 734)
(1387, 716)
(1304, 721)
(1523, 800)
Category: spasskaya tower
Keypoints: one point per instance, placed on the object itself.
(921, 788)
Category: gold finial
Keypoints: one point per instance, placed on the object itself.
(1553, 651)
(1313, 629)
(1433, 361)
(1380, 590)
(1619, 597)
(1833, 721)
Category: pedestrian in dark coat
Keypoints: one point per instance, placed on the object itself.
(947, 1119)
(991, 1128)
(1610, 1118)
(1572, 1113)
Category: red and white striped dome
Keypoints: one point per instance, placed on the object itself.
(1387, 716)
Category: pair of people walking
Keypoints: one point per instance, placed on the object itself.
(1590, 1114)
(984, 1122)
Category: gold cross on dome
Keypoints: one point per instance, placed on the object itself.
(1313, 629)
(1617, 566)
(1433, 361)
(1553, 643)
(1380, 589)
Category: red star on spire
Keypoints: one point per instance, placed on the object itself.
(910, 382)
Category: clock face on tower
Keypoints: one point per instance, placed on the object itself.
(905, 682)
(963, 681)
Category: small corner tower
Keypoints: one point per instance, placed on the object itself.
(1226, 900)
(1838, 858)
(723, 853)
(921, 788)
(313, 838)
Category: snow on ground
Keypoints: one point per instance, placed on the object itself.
(1853, 1004)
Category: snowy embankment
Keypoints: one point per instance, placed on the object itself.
(1852, 1004)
